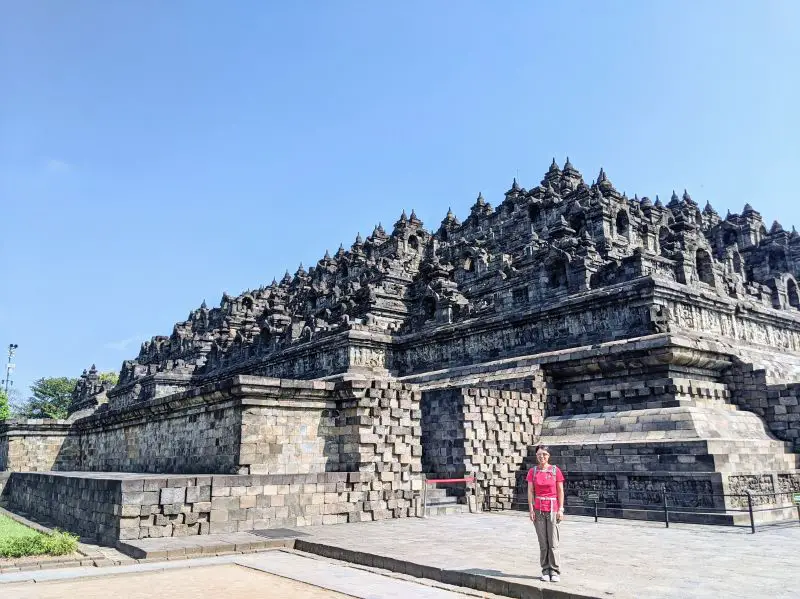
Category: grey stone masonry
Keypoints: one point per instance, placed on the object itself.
(111, 507)
(564, 264)
(649, 343)
(482, 432)
(36, 444)
(778, 405)
(373, 433)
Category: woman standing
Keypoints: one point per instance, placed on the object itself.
(546, 506)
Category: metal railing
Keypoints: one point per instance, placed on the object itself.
(669, 504)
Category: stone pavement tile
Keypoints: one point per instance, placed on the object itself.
(126, 581)
(351, 581)
(84, 572)
(223, 580)
(173, 547)
(611, 558)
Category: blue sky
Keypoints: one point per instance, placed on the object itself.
(153, 154)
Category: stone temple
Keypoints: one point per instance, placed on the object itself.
(651, 345)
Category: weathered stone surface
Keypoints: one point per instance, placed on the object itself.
(651, 346)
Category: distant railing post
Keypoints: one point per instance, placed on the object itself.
(474, 492)
(750, 510)
(424, 495)
(595, 510)
(666, 509)
(798, 513)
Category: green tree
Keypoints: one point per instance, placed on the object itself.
(50, 398)
(5, 410)
(110, 377)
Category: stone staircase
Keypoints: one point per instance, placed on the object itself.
(445, 499)
(679, 433)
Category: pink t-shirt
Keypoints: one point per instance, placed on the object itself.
(545, 487)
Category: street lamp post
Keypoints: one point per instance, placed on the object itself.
(12, 347)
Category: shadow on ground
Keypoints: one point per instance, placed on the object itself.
(496, 574)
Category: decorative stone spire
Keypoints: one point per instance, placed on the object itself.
(603, 182)
(570, 171)
(378, 232)
(553, 175)
(340, 251)
(515, 186)
(776, 228)
(674, 200)
(300, 271)
(658, 203)
(287, 278)
(570, 177)
(709, 210)
(688, 199)
(414, 219)
(402, 222)
(359, 240)
(204, 306)
(646, 203)
(327, 256)
(481, 207)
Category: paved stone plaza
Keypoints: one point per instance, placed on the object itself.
(613, 558)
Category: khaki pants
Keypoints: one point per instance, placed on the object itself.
(547, 531)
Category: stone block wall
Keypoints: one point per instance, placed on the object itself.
(485, 432)
(240, 425)
(778, 405)
(381, 429)
(199, 440)
(289, 440)
(35, 445)
(782, 413)
(111, 507)
(82, 504)
(373, 432)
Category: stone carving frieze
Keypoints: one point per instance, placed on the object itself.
(535, 250)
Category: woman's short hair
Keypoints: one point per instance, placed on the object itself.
(542, 448)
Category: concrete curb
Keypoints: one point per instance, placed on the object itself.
(204, 550)
(478, 582)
